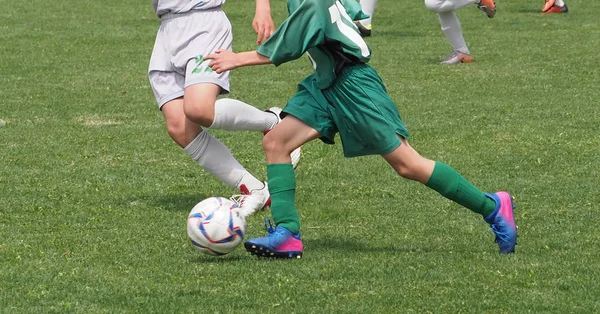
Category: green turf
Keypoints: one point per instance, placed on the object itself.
(94, 195)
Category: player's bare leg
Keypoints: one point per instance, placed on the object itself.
(284, 240)
(207, 151)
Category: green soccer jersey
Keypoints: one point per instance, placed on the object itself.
(324, 29)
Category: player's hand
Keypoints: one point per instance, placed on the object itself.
(222, 60)
(263, 26)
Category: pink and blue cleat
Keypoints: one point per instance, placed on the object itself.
(279, 243)
(502, 222)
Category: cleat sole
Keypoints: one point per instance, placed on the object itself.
(260, 251)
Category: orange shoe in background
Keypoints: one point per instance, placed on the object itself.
(489, 7)
(457, 57)
(551, 7)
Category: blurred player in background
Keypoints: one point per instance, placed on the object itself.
(186, 89)
(364, 25)
(555, 6)
(448, 20)
(344, 95)
(452, 28)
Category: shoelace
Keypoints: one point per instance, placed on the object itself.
(238, 199)
(500, 234)
(269, 225)
(452, 55)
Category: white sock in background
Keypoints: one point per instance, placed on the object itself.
(368, 7)
(453, 31)
(559, 3)
(235, 115)
(216, 158)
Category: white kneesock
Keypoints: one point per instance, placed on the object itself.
(235, 115)
(453, 31)
(559, 3)
(368, 7)
(217, 159)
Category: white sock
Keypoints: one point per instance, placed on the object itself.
(235, 115)
(368, 7)
(216, 158)
(559, 3)
(453, 31)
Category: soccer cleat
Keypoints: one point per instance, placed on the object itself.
(457, 57)
(279, 243)
(547, 5)
(295, 155)
(252, 201)
(487, 6)
(364, 30)
(502, 221)
(551, 7)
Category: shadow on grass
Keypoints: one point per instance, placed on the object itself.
(225, 259)
(395, 33)
(536, 11)
(174, 202)
(178, 202)
(351, 244)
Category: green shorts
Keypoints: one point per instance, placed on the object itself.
(357, 106)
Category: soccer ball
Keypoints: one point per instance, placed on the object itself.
(215, 226)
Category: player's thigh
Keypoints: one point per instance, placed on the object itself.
(368, 120)
(310, 107)
(201, 34)
(439, 6)
(289, 134)
(201, 97)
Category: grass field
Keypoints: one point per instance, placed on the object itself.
(94, 194)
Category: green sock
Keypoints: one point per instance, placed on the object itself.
(446, 181)
(282, 186)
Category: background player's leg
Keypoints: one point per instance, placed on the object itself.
(368, 7)
(452, 28)
(206, 150)
(453, 31)
(439, 6)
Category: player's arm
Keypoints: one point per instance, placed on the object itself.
(302, 30)
(263, 23)
(295, 35)
(225, 60)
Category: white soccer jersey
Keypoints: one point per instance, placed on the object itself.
(162, 7)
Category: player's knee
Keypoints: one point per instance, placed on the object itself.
(434, 5)
(273, 147)
(408, 171)
(198, 113)
(176, 130)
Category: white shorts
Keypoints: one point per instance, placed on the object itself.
(177, 58)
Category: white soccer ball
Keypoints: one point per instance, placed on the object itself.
(215, 226)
